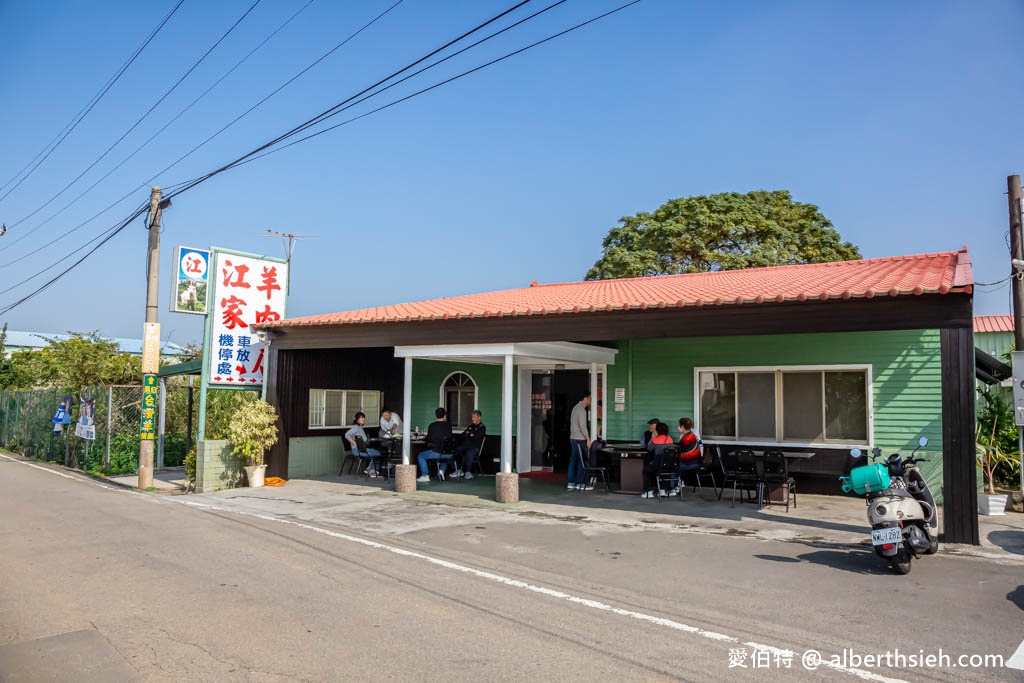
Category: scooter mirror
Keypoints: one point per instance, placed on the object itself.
(855, 452)
(923, 441)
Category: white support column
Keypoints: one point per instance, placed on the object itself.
(407, 412)
(506, 414)
(593, 401)
(604, 402)
(524, 424)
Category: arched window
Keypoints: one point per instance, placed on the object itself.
(458, 396)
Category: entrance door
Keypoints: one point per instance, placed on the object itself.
(553, 397)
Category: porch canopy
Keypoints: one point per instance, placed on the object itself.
(527, 356)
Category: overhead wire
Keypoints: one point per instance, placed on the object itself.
(145, 115)
(188, 185)
(155, 135)
(77, 119)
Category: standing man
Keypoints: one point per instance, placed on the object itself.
(579, 437)
(469, 450)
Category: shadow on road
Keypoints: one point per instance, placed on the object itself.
(845, 560)
(1016, 596)
(1012, 541)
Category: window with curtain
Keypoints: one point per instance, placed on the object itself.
(799, 406)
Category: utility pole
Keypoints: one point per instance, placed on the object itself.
(1016, 207)
(1013, 194)
(150, 350)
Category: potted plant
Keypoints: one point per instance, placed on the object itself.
(252, 430)
(991, 456)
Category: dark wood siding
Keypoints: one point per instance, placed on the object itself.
(898, 313)
(298, 371)
(959, 474)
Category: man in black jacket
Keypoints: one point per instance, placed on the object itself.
(437, 432)
(469, 450)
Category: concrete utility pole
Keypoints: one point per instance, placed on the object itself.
(1013, 194)
(148, 363)
(1016, 208)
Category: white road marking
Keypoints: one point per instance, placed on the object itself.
(1016, 660)
(560, 595)
(83, 479)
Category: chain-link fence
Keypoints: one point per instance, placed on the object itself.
(27, 424)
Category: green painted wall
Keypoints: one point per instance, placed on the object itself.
(314, 456)
(994, 343)
(427, 376)
(906, 379)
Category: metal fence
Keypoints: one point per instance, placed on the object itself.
(27, 426)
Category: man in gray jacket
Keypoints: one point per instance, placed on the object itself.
(579, 437)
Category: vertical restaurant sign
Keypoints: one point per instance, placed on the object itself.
(147, 420)
(190, 281)
(247, 290)
(151, 348)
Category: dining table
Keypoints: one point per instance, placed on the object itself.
(631, 466)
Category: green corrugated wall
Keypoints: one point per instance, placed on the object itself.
(906, 379)
(427, 376)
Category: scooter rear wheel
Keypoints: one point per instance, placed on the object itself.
(901, 563)
(933, 548)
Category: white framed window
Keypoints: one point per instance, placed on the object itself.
(459, 398)
(785, 405)
(335, 408)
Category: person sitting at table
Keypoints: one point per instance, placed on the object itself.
(655, 450)
(390, 424)
(437, 432)
(357, 430)
(652, 427)
(468, 451)
(690, 455)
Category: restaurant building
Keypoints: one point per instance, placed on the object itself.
(821, 357)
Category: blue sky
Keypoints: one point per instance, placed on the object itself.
(898, 119)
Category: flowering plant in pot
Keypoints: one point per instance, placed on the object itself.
(252, 430)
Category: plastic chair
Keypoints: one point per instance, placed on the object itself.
(591, 470)
(447, 454)
(363, 454)
(705, 471)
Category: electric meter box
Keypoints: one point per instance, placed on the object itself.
(1018, 388)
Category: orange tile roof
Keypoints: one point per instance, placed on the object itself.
(938, 273)
(993, 323)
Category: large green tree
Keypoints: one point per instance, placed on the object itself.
(720, 232)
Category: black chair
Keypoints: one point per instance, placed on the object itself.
(349, 458)
(363, 454)
(706, 470)
(750, 476)
(447, 454)
(479, 469)
(668, 470)
(776, 476)
(591, 469)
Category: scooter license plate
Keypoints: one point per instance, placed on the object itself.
(892, 534)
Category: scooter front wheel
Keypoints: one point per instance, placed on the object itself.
(901, 562)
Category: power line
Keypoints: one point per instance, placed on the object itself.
(144, 116)
(66, 131)
(156, 134)
(184, 187)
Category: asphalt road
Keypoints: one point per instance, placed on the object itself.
(101, 583)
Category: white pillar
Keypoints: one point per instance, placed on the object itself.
(524, 424)
(506, 415)
(604, 402)
(593, 401)
(406, 411)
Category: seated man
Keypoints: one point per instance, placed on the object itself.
(390, 424)
(469, 450)
(437, 432)
(357, 430)
(652, 426)
(655, 448)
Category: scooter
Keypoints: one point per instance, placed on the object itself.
(901, 510)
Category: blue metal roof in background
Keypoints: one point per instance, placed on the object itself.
(36, 340)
